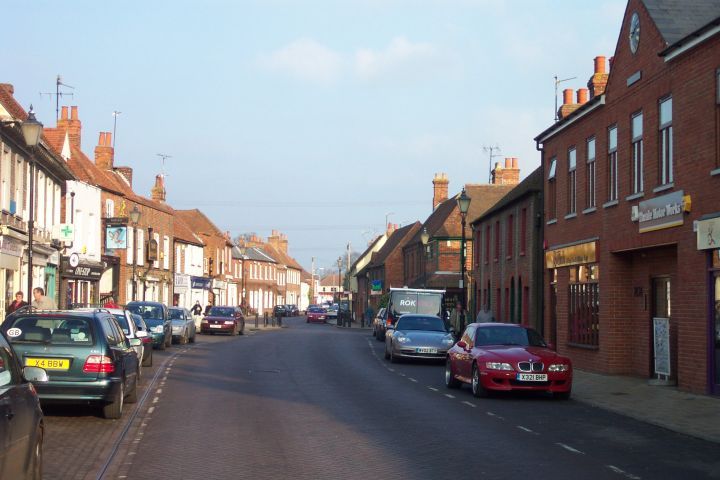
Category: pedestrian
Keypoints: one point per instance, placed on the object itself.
(41, 302)
(111, 303)
(369, 315)
(197, 308)
(17, 303)
(457, 319)
(485, 315)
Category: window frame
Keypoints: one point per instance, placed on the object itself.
(590, 173)
(637, 154)
(572, 180)
(612, 159)
(665, 144)
(552, 189)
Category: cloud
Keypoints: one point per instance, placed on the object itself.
(306, 59)
(400, 56)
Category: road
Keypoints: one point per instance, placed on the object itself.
(316, 402)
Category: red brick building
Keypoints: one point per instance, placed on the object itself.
(629, 175)
(508, 256)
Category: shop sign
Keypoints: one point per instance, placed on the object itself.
(708, 234)
(116, 221)
(661, 212)
(200, 283)
(376, 287)
(152, 251)
(572, 255)
(181, 282)
(84, 271)
(115, 237)
(219, 284)
(11, 246)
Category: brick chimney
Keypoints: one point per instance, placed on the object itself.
(158, 191)
(104, 153)
(284, 243)
(598, 81)
(8, 87)
(126, 172)
(508, 175)
(274, 240)
(72, 125)
(582, 96)
(568, 106)
(440, 189)
(391, 227)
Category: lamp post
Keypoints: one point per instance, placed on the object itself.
(463, 202)
(424, 238)
(31, 130)
(134, 218)
(243, 251)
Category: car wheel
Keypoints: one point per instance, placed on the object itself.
(162, 345)
(147, 360)
(132, 396)
(168, 340)
(37, 456)
(192, 339)
(113, 410)
(450, 380)
(184, 339)
(562, 395)
(387, 354)
(477, 389)
(393, 358)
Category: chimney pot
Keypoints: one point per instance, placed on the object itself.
(582, 96)
(73, 113)
(508, 162)
(568, 96)
(515, 162)
(101, 140)
(600, 64)
(64, 113)
(108, 139)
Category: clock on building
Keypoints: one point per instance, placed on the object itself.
(634, 32)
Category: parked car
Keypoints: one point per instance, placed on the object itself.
(315, 315)
(223, 319)
(22, 427)
(279, 311)
(332, 311)
(504, 357)
(157, 319)
(418, 337)
(377, 322)
(292, 310)
(147, 358)
(130, 329)
(411, 300)
(183, 325)
(86, 354)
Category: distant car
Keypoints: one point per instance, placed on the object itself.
(416, 336)
(157, 319)
(223, 319)
(332, 311)
(22, 427)
(147, 358)
(183, 325)
(292, 310)
(504, 357)
(86, 354)
(316, 315)
(279, 311)
(377, 322)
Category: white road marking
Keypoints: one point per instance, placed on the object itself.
(158, 391)
(469, 404)
(151, 409)
(402, 374)
(570, 449)
(495, 415)
(391, 369)
(449, 396)
(525, 429)
(156, 399)
(412, 379)
(433, 389)
(623, 473)
(164, 378)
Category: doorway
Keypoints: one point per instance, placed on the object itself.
(715, 320)
(660, 350)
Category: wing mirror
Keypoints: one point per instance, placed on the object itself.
(35, 374)
(141, 334)
(135, 342)
(462, 345)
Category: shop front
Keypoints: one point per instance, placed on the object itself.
(181, 290)
(11, 248)
(80, 281)
(708, 240)
(200, 290)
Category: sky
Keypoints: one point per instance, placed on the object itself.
(322, 119)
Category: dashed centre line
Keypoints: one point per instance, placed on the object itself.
(449, 396)
(433, 389)
(412, 379)
(469, 404)
(570, 449)
(623, 473)
(525, 429)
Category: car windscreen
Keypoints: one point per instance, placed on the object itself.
(147, 312)
(508, 336)
(175, 314)
(415, 302)
(222, 312)
(122, 321)
(316, 310)
(50, 330)
(428, 324)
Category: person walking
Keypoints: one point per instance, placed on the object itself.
(457, 319)
(17, 303)
(111, 303)
(197, 308)
(369, 315)
(485, 315)
(41, 302)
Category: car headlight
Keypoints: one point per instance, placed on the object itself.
(402, 339)
(498, 366)
(158, 329)
(558, 367)
(229, 322)
(448, 341)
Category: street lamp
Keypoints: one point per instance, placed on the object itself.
(134, 218)
(31, 130)
(463, 202)
(243, 251)
(424, 238)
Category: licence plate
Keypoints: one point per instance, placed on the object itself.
(532, 377)
(426, 350)
(48, 363)
(215, 326)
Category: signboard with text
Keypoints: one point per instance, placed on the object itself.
(661, 212)
(572, 255)
(376, 287)
(708, 234)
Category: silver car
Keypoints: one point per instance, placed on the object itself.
(131, 330)
(183, 325)
(418, 336)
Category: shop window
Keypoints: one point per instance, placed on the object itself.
(612, 166)
(665, 168)
(637, 153)
(583, 305)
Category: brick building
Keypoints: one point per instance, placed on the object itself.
(260, 273)
(629, 175)
(360, 287)
(508, 255)
(289, 270)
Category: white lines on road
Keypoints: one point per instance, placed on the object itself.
(433, 389)
(525, 429)
(412, 379)
(469, 404)
(391, 369)
(623, 473)
(402, 374)
(156, 399)
(449, 396)
(495, 415)
(158, 391)
(151, 409)
(570, 449)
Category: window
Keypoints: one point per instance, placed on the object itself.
(109, 208)
(156, 237)
(717, 126)
(590, 181)
(665, 168)
(584, 301)
(637, 153)
(130, 245)
(510, 234)
(572, 184)
(487, 243)
(140, 248)
(497, 240)
(166, 252)
(552, 190)
(523, 230)
(612, 175)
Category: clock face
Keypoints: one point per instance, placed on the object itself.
(634, 32)
(74, 260)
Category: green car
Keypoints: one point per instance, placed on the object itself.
(157, 319)
(86, 355)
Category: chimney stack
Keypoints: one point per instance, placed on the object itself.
(157, 193)
(568, 106)
(104, 154)
(598, 81)
(126, 172)
(71, 125)
(509, 175)
(440, 189)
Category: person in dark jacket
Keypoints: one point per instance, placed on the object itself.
(197, 309)
(17, 303)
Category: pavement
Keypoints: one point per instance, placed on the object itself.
(665, 406)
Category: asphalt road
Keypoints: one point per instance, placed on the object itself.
(319, 402)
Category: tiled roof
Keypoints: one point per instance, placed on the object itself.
(282, 257)
(676, 19)
(533, 183)
(199, 222)
(256, 254)
(396, 240)
(183, 232)
(330, 280)
(11, 105)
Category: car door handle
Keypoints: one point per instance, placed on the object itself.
(9, 414)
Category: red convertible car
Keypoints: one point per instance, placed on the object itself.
(504, 357)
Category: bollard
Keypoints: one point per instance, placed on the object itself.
(256, 321)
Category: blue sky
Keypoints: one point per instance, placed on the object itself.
(316, 118)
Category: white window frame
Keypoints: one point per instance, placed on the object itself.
(637, 152)
(665, 147)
